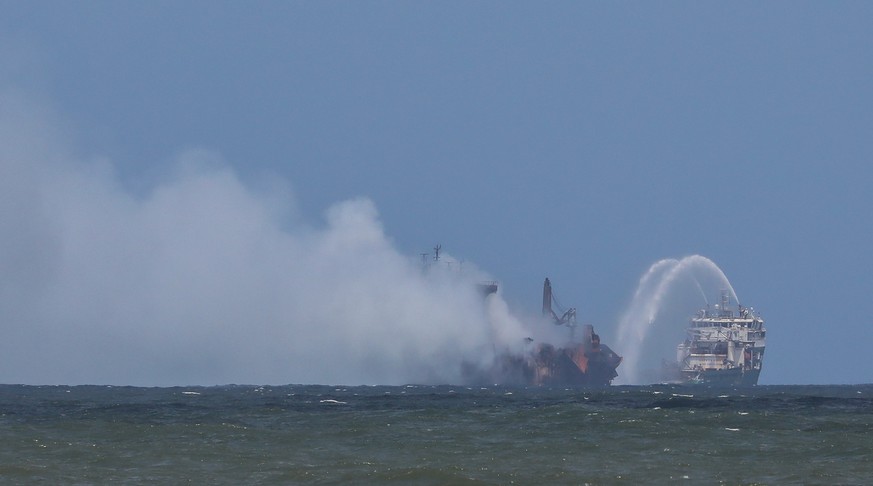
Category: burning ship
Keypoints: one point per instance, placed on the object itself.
(583, 361)
(722, 347)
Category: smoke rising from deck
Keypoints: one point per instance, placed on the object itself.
(668, 293)
(202, 279)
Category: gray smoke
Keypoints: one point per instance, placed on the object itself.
(202, 279)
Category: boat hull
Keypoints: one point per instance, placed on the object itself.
(549, 366)
(722, 377)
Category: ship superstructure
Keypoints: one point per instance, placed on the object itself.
(723, 346)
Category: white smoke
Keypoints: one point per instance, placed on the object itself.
(204, 280)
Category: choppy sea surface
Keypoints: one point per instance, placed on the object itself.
(436, 435)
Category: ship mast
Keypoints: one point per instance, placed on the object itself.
(725, 310)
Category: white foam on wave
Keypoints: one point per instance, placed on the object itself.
(331, 401)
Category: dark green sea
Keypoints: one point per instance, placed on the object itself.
(436, 435)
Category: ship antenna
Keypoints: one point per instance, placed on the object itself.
(436, 252)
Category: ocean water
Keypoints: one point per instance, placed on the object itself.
(436, 435)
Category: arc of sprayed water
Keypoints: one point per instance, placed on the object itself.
(630, 331)
(711, 264)
(629, 316)
(702, 292)
(637, 321)
(655, 269)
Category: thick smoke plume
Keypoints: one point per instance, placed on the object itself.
(201, 279)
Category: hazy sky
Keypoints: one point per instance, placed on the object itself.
(182, 179)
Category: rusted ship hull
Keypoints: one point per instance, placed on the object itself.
(550, 366)
(574, 366)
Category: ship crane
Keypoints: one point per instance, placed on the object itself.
(568, 318)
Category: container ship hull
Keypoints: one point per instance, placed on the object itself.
(547, 365)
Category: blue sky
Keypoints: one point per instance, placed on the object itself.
(583, 141)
